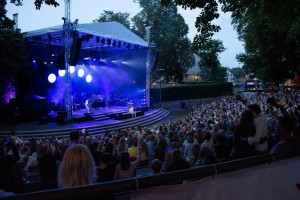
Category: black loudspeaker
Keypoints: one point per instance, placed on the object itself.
(75, 51)
(62, 114)
(61, 61)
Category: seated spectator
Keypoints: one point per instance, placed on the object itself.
(208, 142)
(77, 167)
(175, 161)
(284, 128)
(156, 167)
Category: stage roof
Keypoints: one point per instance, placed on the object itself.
(92, 34)
(97, 40)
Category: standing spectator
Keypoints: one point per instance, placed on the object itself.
(107, 168)
(133, 150)
(261, 127)
(126, 168)
(244, 129)
(47, 162)
(77, 167)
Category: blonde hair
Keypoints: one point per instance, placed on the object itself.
(77, 167)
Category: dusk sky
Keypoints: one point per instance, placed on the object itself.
(30, 19)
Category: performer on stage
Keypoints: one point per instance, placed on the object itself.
(87, 106)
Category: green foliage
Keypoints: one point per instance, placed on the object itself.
(168, 32)
(37, 3)
(109, 16)
(210, 65)
(270, 30)
(12, 45)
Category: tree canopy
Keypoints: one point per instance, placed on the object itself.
(12, 46)
(169, 33)
(270, 30)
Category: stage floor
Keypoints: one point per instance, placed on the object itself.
(35, 126)
(101, 110)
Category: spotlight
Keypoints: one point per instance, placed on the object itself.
(88, 78)
(80, 73)
(128, 46)
(72, 69)
(103, 41)
(51, 78)
(97, 39)
(61, 73)
(114, 43)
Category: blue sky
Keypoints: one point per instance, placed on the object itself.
(86, 11)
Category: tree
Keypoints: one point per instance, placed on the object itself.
(109, 16)
(37, 3)
(12, 45)
(270, 30)
(169, 33)
(209, 61)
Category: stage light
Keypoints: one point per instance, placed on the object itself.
(51, 78)
(97, 39)
(109, 42)
(88, 78)
(33, 61)
(61, 72)
(119, 44)
(72, 69)
(103, 41)
(114, 43)
(80, 73)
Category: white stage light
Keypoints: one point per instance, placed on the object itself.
(80, 73)
(61, 72)
(88, 78)
(51, 78)
(72, 69)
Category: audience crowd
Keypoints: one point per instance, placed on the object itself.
(217, 131)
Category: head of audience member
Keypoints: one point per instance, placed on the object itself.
(176, 155)
(255, 108)
(77, 167)
(284, 127)
(74, 136)
(156, 166)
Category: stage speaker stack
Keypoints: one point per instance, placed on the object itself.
(62, 117)
(75, 51)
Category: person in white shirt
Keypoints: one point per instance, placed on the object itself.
(261, 126)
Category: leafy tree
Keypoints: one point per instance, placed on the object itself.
(37, 3)
(270, 30)
(209, 61)
(12, 45)
(108, 16)
(168, 32)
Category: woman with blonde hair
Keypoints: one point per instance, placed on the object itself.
(77, 167)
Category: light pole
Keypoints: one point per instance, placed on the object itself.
(160, 81)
